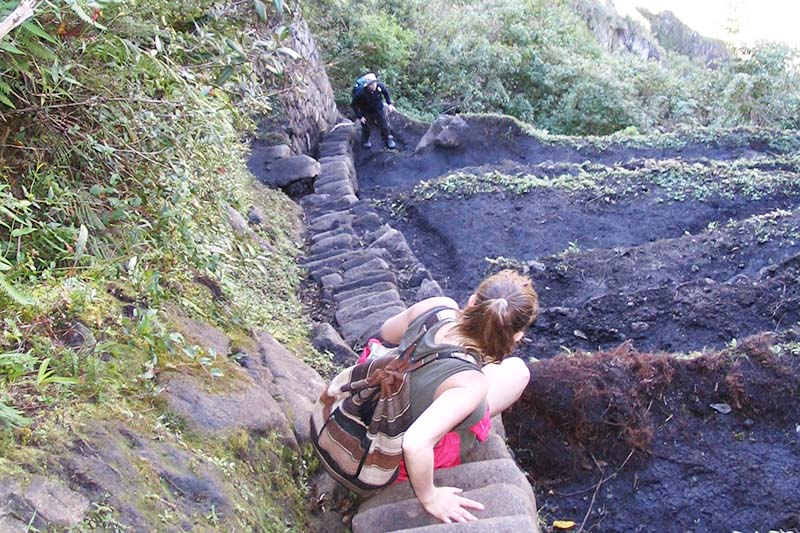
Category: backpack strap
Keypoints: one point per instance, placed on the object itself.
(428, 320)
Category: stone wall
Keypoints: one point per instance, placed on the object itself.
(308, 107)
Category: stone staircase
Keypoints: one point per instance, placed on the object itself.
(367, 272)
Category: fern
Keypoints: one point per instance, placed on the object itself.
(10, 416)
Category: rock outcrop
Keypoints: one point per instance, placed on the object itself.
(676, 36)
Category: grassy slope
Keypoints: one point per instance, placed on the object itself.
(116, 172)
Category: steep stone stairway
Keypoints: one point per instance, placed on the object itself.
(368, 273)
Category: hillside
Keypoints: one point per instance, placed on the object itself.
(574, 67)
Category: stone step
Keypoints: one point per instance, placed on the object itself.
(377, 287)
(499, 499)
(331, 177)
(467, 476)
(366, 280)
(357, 332)
(366, 300)
(500, 524)
(354, 312)
(364, 269)
(493, 448)
(336, 189)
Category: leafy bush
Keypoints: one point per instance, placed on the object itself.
(537, 60)
(121, 153)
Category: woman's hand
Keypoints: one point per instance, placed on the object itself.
(448, 506)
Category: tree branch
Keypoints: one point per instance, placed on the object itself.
(23, 12)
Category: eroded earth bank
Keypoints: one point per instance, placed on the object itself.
(665, 393)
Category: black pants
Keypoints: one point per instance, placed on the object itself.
(376, 119)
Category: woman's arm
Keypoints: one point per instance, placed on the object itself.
(466, 391)
(394, 328)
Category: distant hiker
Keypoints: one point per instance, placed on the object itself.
(402, 412)
(367, 104)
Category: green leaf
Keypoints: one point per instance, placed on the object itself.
(95, 190)
(5, 101)
(9, 47)
(13, 293)
(12, 417)
(235, 46)
(19, 232)
(78, 10)
(261, 9)
(225, 75)
(80, 246)
(279, 6)
(216, 373)
(35, 29)
(289, 52)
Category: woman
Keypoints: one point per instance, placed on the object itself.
(453, 393)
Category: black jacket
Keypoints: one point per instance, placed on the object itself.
(370, 103)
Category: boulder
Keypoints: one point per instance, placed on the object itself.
(326, 338)
(112, 462)
(295, 385)
(282, 172)
(261, 156)
(428, 289)
(43, 503)
(199, 333)
(220, 413)
(447, 131)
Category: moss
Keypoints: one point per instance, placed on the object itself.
(672, 180)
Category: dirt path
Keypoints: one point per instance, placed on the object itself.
(640, 262)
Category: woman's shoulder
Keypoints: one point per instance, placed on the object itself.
(426, 305)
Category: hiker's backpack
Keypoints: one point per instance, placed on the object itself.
(359, 85)
(357, 425)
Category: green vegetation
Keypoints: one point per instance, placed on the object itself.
(121, 158)
(538, 61)
(677, 180)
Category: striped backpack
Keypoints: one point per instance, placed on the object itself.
(357, 425)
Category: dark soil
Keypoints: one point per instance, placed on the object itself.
(647, 273)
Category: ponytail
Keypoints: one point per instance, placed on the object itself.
(504, 305)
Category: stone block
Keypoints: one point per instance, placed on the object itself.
(341, 296)
(330, 280)
(326, 178)
(331, 221)
(261, 156)
(356, 332)
(360, 271)
(337, 242)
(335, 189)
(370, 299)
(392, 241)
(367, 280)
(282, 172)
(499, 499)
(366, 223)
(326, 338)
(428, 289)
(492, 448)
(355, 312)
(499, 524)
(344, 230)
(329, 148)
(467, 476)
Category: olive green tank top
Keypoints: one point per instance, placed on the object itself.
(425, 380)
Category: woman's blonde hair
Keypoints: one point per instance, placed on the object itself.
(505, 304)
